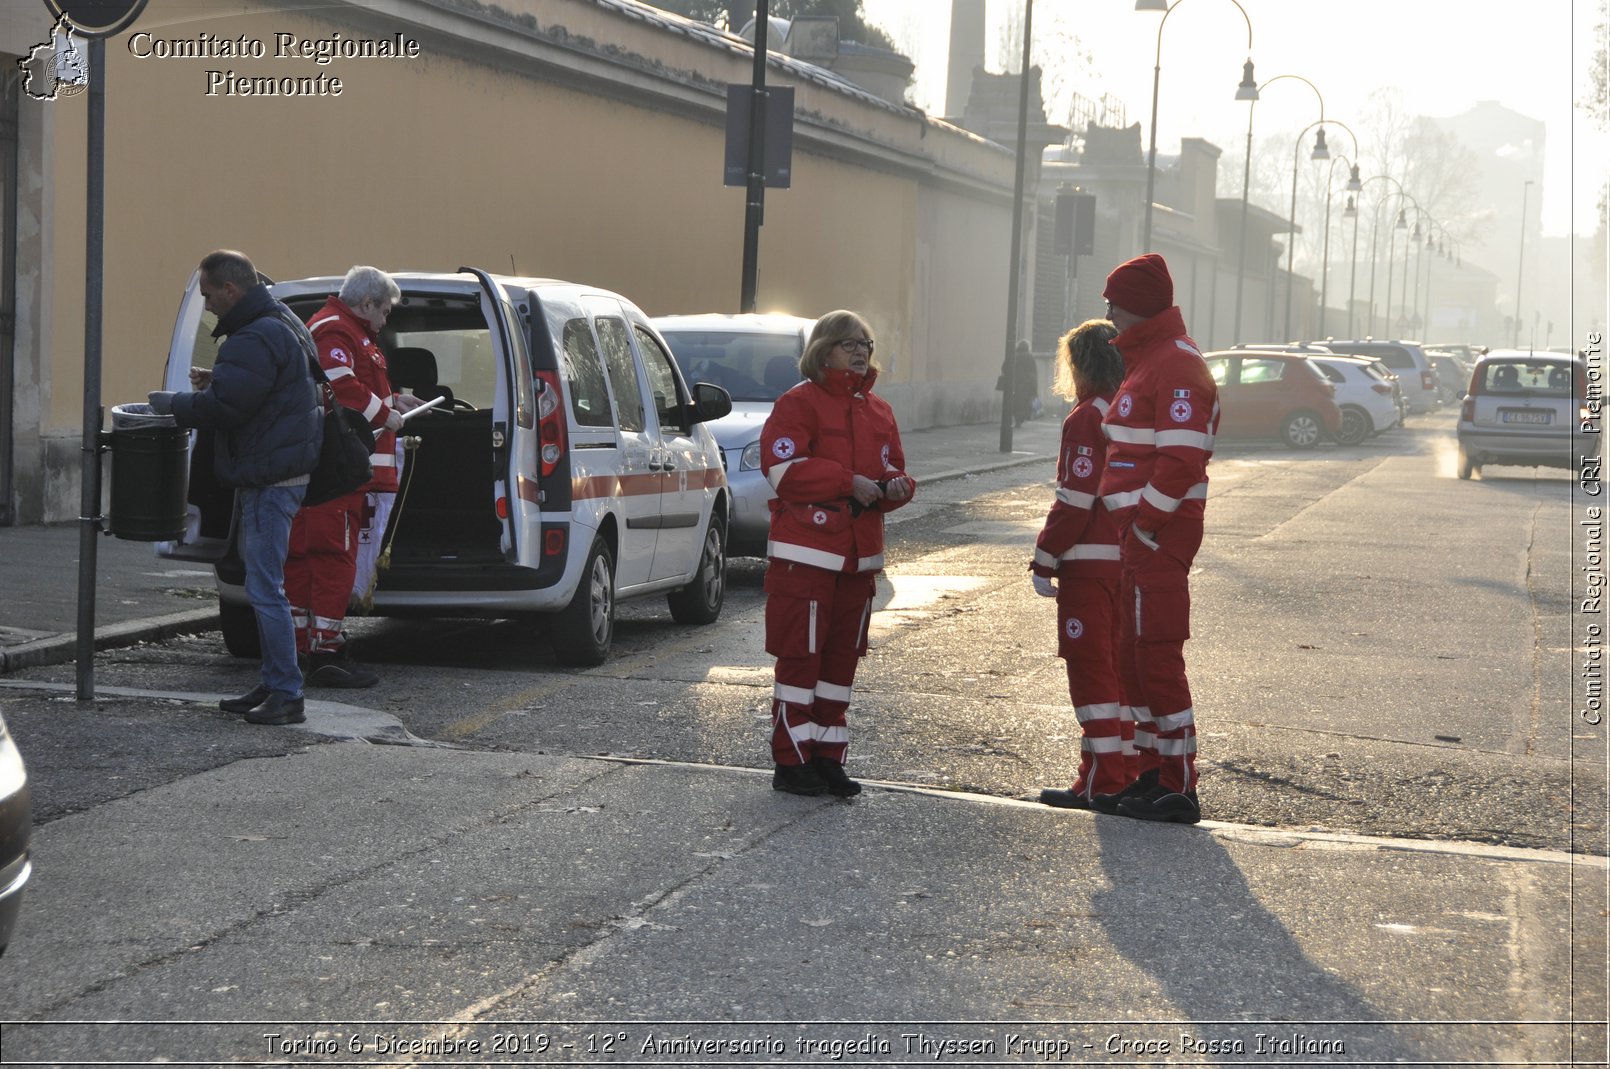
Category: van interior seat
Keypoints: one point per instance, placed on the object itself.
(782, 372)
(414, 368)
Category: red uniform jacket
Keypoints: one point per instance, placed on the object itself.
(818, 437)
(357, 371)
(1160, 428)
(1079, 538)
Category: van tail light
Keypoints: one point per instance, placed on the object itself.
(550, 422)
(553, 542)
(502, 508)
(1428, 381)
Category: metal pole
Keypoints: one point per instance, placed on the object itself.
(1391, 237)
(1375, 258)
(1151, 153)
(1403, 293)
(1521, 265)
(1009, 374)
(1241, 250)
(1352, 275)
(1324, 266)
(1291, 245)
(89, 508)
(754, 202)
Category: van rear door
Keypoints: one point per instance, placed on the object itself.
(210, 506)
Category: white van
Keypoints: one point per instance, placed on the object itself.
(568, 467)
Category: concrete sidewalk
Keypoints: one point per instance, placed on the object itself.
(140, 598)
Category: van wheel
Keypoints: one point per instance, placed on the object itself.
(239, 623)
(1302, 430)
(584, 628)
(1356, 426)
(1466, 466)
(700, 601)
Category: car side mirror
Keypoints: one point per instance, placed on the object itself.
(710, 402)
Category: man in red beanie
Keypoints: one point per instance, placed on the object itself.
(1160, 432)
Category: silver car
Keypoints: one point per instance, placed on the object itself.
(755, 358)
(16, 827)
(1527, 408)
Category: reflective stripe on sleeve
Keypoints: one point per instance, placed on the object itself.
(372, 409)
(1122, 500)
(1187, 346)
(1044, 559)
(869, 564)
(1189, 439)
(1076, 498)
(382, 460)
(335, 373)
(1163, 503)
(1100, 404)
(317, 323)
(1092, 551)
(1130, 435)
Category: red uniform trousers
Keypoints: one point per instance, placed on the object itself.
(816, 627)
(1155, 603)
(320, 568)
(1087, 631)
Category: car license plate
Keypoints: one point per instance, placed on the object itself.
(1525, 415)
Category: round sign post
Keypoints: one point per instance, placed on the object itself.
(96, 20)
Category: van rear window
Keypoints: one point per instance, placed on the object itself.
(589, 396)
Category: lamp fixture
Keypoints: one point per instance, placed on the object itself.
(1151, 5)
(1248, 89)
(1351, 211)
(1353, 184)
(1403, 220)
(1321, 150)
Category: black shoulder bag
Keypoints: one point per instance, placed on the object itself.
(348, 439)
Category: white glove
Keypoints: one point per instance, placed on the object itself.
(394, 420)
(1043, 586)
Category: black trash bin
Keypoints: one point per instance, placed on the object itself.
(150, 475)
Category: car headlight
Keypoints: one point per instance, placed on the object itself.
(750, 461)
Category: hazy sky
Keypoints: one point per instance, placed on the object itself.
(1444, 56)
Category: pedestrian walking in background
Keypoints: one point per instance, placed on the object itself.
(1076, 562)
(832, 453)
(1025, 399)
(323, 562)
(260, 399)
(1160, 432)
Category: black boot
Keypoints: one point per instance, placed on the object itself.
(1108, 803)
(277, 709)
(798, 779)
(335, 668)
(1064, 799)
(837, 780)
(1173, 807)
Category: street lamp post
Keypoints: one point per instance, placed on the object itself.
(1321, 152)
(1410, 241)
(1009, 368)
(1520, 267)
(1375, 244)
(1246, 183)
(1353, 186)
(1247, 90)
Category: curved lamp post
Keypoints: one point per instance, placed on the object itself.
(1246, 182)
(1375, 244)
(1520, 266)
(1438, 246)
(1247, 90)
(1321, 152)
(1411, 242)
(1353, 186)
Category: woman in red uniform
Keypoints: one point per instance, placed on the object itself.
(1076, 562)
(832, 454)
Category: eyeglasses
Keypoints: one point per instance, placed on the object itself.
(850, 345)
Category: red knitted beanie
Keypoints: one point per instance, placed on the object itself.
(1141, 286)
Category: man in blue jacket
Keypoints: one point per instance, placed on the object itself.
(260, 399)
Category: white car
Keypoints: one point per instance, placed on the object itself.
(754, 358)
(1363, 393)
(571, 465)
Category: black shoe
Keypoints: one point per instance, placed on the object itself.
(246, 702)
(333, 668)
(1064, 799)
(798, 779)
(277, 709)
(1108, 803)
(1174, 807)
(832, 773)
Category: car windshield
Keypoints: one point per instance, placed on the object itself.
(750, 367)
(1536, 377)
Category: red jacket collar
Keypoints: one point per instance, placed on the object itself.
(1166, 324)
(842, 382)
(350, 320)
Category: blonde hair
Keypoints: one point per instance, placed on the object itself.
(828, 332)
(1087, 363)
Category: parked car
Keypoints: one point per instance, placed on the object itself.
(1363, 393)
(1452, 376)
(16, 827)
(570, 467)
(1273, 395)
(1407, 359)
(756, 358)
(1526, 408)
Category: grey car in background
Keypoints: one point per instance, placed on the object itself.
(755, 358)
(16, 830)
(1526, 408)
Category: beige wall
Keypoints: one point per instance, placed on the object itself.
(579, 161)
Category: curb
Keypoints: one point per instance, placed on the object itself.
(63, 648)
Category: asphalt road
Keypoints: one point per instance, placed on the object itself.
(1379, 648)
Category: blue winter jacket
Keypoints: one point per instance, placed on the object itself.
(262, 401)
